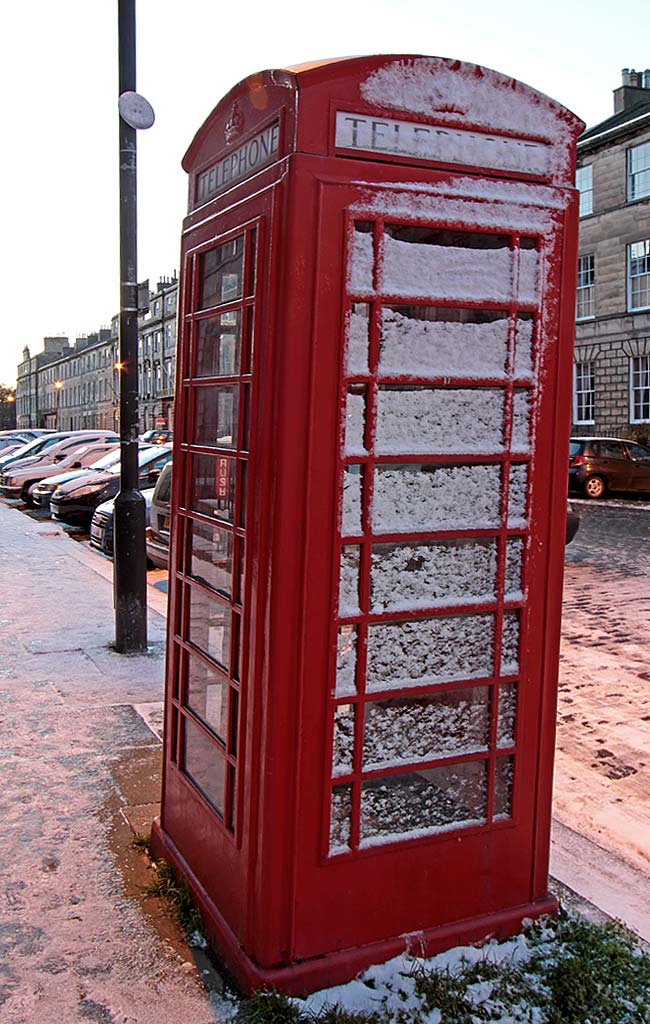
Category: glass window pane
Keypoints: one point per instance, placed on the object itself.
(213, 486)
(220, 273)
(349, 581)
(423, 728)
(433, 800)
(517, 495)
(207, 696)
(216, 415)
(357, 339)
(360, 270)
(210, 555)
(503, 779)
(405, 576)
(524, 346)
(428, 651)
(415, 420)
(351, 509)
(340, 811)
(428, 341)
(343, 739)
(420, 498)
(507, 715)
(204, 763)
(346, 661)
(514, 567)
(218, 345)
(355, 421)
(510, 644)
(521, 408)
(209, 627)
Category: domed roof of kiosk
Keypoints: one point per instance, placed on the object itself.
(452, 91)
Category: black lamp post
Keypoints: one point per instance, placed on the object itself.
(129, 562)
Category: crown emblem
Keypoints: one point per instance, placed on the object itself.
(234, 124)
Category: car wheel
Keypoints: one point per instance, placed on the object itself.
(594, 487)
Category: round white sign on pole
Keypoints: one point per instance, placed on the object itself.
(136, 110)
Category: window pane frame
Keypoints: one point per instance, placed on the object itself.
(638, 274)
(584, 393)
(585, 186)
(640, 389)
(638, 172)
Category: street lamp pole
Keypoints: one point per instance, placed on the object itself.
(58, 385)
(129, 560)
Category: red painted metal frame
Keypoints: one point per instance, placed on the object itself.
(278, 907)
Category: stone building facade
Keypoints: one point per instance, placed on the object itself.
(76, 387)
(611, 391)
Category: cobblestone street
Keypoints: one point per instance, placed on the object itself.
(602, 784)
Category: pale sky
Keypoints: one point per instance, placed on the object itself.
(58, 70)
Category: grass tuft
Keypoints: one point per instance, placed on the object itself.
(141, 841)
(176, 894)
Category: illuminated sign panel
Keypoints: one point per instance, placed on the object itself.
(254, 154)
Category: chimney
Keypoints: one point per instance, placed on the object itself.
(635, 88)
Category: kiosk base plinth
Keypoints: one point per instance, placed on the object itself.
(306, 976)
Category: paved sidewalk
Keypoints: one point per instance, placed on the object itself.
(80, 768)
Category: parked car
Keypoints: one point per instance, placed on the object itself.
(158, 530)
(76, 501)
(572, 523)
(14, 438)
(17, 482)
(101, 524)
(600, 464)
(41, 492)
(46, 448)
(157, 436)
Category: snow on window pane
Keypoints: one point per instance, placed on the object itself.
(421, 497)
(405, 576)
(524, 347)
(503, 777)
(429, 341)
(340, 810)
(360, 268)
(447, 265)
(429, 651)
(528, 276)
(356, 358)
(431, 420)
(346, 660)
(517, 495)
(355, 420)
(435, 800)
(349, 581)
(351, 519)
(507, 714)
(510, 644)
(422, 728)
(343, 739)
(514, 566)
(521, 404)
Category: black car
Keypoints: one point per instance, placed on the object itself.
(599, 464)
(75, 502)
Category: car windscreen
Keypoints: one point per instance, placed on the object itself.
(574, 448)
(151, 454)
(106, 461)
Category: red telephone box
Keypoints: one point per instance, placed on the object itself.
(373, 403)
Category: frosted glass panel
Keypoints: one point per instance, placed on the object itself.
(521, 406)
(528, 276)
(510, 644)
(349, 581)
(435, 800)
(351, 517)
(423, 728)
(514, 567)
(343, 739)
(340, 810)
(443, 265)
(357, 339)
(429, 341)
(503, 778)
(407, 576)
(431, 420)
(355, 420)
(346, 660)
(507, 715)
(524, 348)
(420, 497)
(360, 268)
(517, 495)
(429, 651)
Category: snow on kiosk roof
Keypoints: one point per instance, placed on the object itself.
(485, 120)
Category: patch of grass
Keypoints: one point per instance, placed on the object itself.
(446, 992)
(141, 841)
(176, 894)
(269, 1007)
